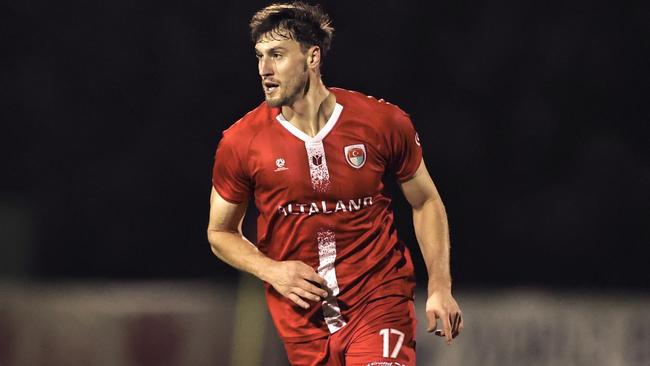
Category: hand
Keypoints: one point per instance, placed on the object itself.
(441, 305)
(296, 281)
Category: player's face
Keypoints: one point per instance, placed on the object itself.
(283, 67)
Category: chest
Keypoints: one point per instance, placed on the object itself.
(347, 163)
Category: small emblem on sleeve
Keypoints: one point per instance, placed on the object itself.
(355, 155)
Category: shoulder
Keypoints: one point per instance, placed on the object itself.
(240, 135)
(251, 123)
(381, 112)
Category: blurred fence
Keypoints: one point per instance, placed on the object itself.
(196, 324)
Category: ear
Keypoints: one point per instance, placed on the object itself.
(313, 57)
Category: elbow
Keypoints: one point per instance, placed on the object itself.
(215, 251)
(213, 239)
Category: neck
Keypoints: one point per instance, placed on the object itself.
(310, 112)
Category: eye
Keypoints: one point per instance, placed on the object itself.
(277, 55)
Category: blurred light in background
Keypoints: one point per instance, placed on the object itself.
(207, 324)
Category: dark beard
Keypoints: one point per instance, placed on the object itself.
(287, 100)
(274, 103)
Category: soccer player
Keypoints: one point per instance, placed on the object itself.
(339, 282)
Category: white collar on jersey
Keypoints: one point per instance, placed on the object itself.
(321, 134)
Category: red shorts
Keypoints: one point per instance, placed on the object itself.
(381, 334)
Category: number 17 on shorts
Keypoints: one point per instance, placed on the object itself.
(386, 333)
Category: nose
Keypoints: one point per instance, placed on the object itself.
(265, 66)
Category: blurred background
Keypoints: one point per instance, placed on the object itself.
(534, 122)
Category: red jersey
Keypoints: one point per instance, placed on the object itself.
(321, 201)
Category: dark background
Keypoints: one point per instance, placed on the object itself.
(533, 118)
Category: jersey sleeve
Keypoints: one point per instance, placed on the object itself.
(229, 177)
(405, 152)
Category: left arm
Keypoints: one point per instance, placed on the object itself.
(432, 233)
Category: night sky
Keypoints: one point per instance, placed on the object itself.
(533, 118)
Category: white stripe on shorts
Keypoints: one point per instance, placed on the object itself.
(327, 256)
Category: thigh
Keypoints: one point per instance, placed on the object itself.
(315, 352)
(385, 336)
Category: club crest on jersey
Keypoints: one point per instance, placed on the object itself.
(355, 155)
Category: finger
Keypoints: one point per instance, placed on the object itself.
(311, 275)
(446, 326)
(461, 325)
(300, 302)
(313, 289)
(306, 294)
(323, 291)
(432, 322)
(455, 322)
(455, 325)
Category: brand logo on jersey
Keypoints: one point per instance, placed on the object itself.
(355, 155)
(279, 163)
(324, 207)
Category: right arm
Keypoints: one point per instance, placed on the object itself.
(293, 279)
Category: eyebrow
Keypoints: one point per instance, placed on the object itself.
(272, 49)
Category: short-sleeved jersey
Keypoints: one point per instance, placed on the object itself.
(322, 200)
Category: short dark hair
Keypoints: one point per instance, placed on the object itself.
(307, 24)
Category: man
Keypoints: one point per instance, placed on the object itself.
(339, 283)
